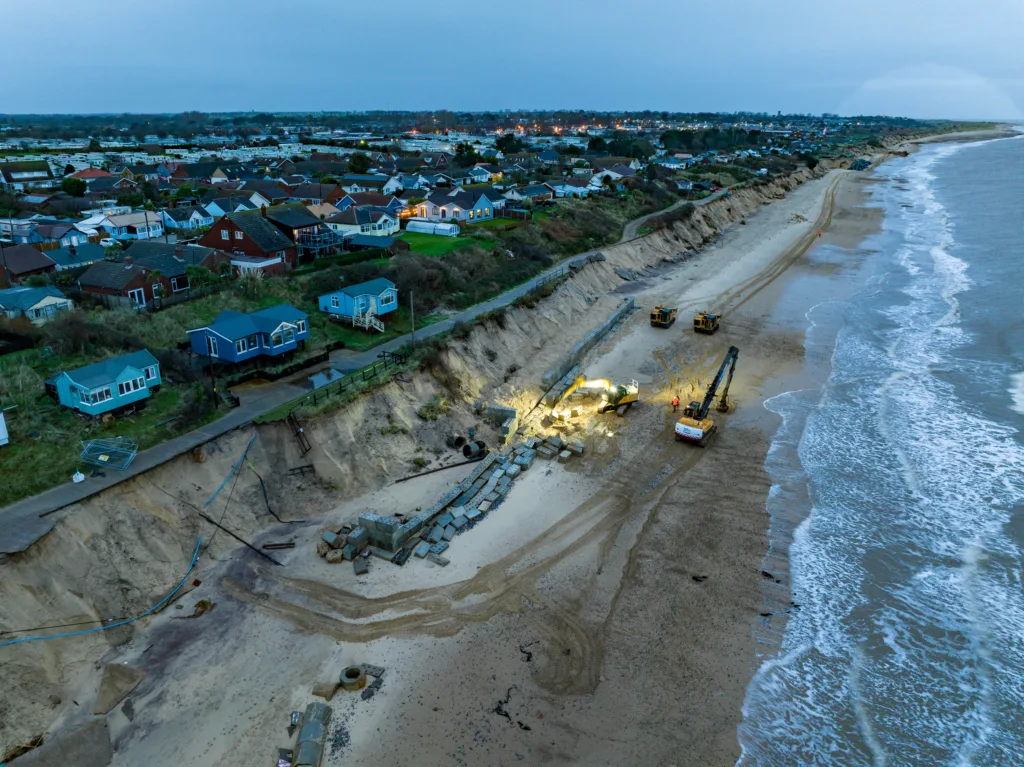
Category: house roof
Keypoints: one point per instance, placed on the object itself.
(235, 325)
(197, 170)
(107, 371)
(534, 190)
(83, 255)
(261, 231)
(111, 275)
(135, 218)
(313, 191)
(53, 230)
(230, 204)
(269, 189)
(372, 198)
(324, 209)
(91, 173)
(293, 216)
(375, 241)
(22, 259)
(459, 198)
(371, 287)
(169, 258)
(25, 298)
(185, 212)
(39, 170)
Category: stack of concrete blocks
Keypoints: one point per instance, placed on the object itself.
(523, 456)
(576, 354)
(507, 418)
(390, 534)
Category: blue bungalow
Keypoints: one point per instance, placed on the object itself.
(112, 384)
(237, 337)
(376, 297)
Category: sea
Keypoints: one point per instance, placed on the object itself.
(898, 488)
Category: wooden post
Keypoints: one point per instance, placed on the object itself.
(412, 318)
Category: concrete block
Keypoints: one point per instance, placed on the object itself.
(546, 452)
(532, 443)
(359, 537)
(513, 471)
(445, 519)
(435, 534)
(449, 532)
(576, 447)
(439, 548)
(498, 474)
(349, 552)
(361, 565)
(564, 456)
(459, 522)
(380, 553)
(473, 514)
(437, 559)
(422, 549)
(555, 441)
(484, 507)
(331, 539)
(491, 497)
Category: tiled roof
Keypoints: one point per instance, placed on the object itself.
(22, 259)
(260, 230)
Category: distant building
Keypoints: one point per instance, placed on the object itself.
(17, 176)
(36, 304)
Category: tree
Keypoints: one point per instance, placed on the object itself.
(112, 252)
(509, 144)
(73, 186)
(95, 146)
(131, 199)
(597, 144)
(183, 191)
(69, 169)
(37, 281)
(358, 162)
(201, 277)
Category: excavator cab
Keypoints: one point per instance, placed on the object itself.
(663, 316)
(706, 323)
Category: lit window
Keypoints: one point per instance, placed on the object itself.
(225, 234)
(238, 235)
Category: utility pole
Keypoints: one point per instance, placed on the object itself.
(412, 318)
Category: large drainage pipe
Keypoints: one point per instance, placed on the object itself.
(474, 449)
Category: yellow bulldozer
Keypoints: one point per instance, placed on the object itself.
(663, 316)
(611, 396)
(705, 322)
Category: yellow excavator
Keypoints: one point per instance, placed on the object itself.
(704, 322)
(695, 425)
(612, 396)
(663, 316)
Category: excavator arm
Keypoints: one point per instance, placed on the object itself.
(699, 410)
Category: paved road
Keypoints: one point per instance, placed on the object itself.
(24, 522)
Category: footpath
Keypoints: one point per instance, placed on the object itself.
(28, 520)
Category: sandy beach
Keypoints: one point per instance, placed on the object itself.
(609, 607)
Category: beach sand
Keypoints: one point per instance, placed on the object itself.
(606, 613)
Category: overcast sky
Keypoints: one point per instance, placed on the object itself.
(940, 58)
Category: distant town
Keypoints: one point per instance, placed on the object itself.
(150, 262)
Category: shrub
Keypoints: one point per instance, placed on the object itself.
(434, 409)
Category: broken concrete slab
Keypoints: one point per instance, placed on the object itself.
(555, 441)
(439, 548)
(437, 559)
(445, 519)
(459, 522)
(473, 514)
(564, 456)
(85, 746)
(435, 534)
(576, 447)
(546, 452)
(449, 532)
(484, 507)
(421, 550)
(326, 690)
(118, 680)
(361, 565)
(334, 557)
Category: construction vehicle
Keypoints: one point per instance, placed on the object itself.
(663, 316)
(705, 322)
(695, 425)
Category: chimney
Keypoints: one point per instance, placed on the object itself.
(263, 211)
(178, 251)
(128, 261)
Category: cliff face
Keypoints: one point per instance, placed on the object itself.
(118, 553)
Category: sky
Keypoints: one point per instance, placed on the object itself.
(940, 58)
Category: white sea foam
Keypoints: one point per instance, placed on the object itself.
(909, 582)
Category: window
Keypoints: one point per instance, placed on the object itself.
(211, 345)
(478, 212)
(253, 341)
(240, 346)
(266, 340)
(444, 213)
(289, 335)
(225, 234)
(277, 339)
(238, 235)
(99, 395)
(487, 211)
(151, 372)
(131, 386)
(334, 302)
(179, 284)
(387, 298)
(471, 214)
(302, 326)
(280, 254)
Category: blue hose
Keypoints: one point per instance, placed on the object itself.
(154, 608)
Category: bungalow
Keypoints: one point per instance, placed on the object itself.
(352, 183)
(187, 217)
(21, 262)
(37, 304)
(389, 201)
(206, 172)
(252, 234)
(118, 383)
(271, 191)
(90, 174)
(364, 220)
(138, 225)
(549, 157)
(376, 298)
(141, 173)
(237, 337)
(323, 210)
(48, 233)
(315, 194)
(104, 185)
(612, 173)
(534, 192)
(16, 176)
(148, 272)
(570, 187)
(479, 175)
(224, 205)
(458, 204)
(413, 181)
(76, 256)
(435, 160)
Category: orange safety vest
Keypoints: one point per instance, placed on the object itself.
(675, 401)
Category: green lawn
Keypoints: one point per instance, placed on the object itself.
(45, 437)
(358, 339)
(498, 223)
(435, 244)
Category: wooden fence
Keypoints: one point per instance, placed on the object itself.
(345, 384)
